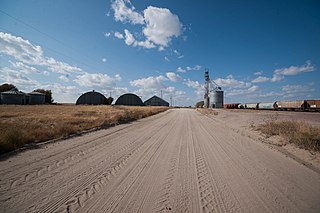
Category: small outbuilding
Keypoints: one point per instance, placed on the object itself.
(129, 99)
(156, 101)
(36, 98)
(92, 98)
(14, 96)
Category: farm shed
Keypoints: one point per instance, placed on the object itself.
(129, 99)
(156, 101)
(14, 96)
(92, 98)
(36, 98)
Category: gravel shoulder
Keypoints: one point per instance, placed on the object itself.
(176, 161)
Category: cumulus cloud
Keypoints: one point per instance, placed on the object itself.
(17, 78)
(196, 68)
(23, 51)
(295, 70)
(104, 60)
(25, 68)
(64, 78)
(179, 69)
(118, 35)
(173, 77)
(258, 73)
(231, 82)
(159, 25)
(97, 80)
(278, 74)
(125, 12)
(150, 82)
(198, 88)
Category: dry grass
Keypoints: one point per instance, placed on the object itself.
(27, 124)
(299, 133)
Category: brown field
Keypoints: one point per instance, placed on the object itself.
(20, 125)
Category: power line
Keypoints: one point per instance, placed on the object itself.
(55, 51)
(47, 35)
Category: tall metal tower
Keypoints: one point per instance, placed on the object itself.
(206, 87)
(212, 90)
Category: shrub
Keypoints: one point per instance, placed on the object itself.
(299, 133)
(11, 139)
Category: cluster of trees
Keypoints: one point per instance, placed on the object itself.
(200, 104)
(109, 101)
(47, 93)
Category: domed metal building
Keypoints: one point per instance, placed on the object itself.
(92, 98)
(129, 99)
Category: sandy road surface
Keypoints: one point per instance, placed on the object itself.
(177, 161)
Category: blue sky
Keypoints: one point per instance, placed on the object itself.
(255, 50)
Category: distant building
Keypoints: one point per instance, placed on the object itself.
(129, 99)
(17, 97)
(156, 101)
(92, 98)
(36, 98)
(14, 96)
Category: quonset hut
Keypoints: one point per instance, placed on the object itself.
(129, 99)
(92, 98)
(156, 101)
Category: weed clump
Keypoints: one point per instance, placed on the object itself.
(11, 139)
(299, 133)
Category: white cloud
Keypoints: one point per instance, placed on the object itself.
(23, 51)
(118, 35)
(97, 80)
(150, 82)
(160, 25)
(258, 73)
(297, 89)
(231, 82)
(107, 34)
(260, 79)
(166, 58)
(294, 70)
(198, 88)
(25, 68)
(129, 39)
(196, 68)
(173, 77)
(278, 74)
(64, 78)
(125, 12)
(254, 88)
(179, 69)
(104, 60)
(178, 54)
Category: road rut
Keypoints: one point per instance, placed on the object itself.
(177, 161)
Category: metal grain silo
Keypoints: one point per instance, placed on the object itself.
(14, 96)
(36, 98)
(92, 98)
(129, 99)
(217, 99)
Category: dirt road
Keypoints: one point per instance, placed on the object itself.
(177, 161)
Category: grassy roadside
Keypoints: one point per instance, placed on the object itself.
(300, 133)
(20, 125)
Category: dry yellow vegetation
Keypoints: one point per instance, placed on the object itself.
(28, 124)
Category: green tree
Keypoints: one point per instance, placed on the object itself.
(200, 104)
(48, 95)
(109, 100)
(6, 87)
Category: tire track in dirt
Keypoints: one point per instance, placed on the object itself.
(179, 161)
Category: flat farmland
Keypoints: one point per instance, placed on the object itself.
(21, 125)
(177, 161)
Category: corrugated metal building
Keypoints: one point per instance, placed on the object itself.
(92, 98)
(36, 98)
(156, 101)
(129, 99)
(14, 96)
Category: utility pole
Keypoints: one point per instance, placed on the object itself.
(171, 100)
(161, 93)
(206, 87)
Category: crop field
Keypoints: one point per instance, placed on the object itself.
(20, 125)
